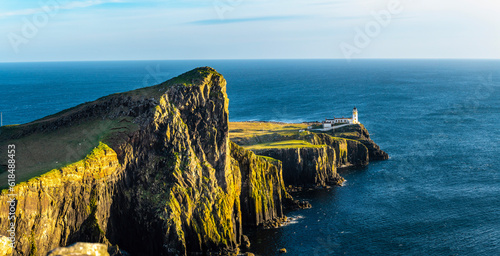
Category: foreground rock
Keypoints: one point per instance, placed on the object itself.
(5, 246)
(87, 249)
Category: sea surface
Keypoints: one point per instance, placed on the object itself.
(438, 194)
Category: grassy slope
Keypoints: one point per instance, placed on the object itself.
(245, 131)
(39, 153)
(251, 129)
(283, 144)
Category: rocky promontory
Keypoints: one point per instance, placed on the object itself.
(161, 179)
(154, 172)
(309, 158)
(359, 133)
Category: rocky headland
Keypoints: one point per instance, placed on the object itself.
(154, 172)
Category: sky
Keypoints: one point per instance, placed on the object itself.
(83, 30)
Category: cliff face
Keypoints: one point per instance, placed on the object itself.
(349, 153)
(180, 194)
(359, 133)
(309, 158)
(64, 205)
(170, 184)
(306, 166)
(315, 165)
(262, 188)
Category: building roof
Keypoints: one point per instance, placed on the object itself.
(345, 118)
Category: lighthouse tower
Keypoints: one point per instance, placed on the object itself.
(355, 116)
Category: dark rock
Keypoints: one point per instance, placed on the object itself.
(348, 153)
(245, 241)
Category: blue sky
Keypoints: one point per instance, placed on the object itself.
(74, 30)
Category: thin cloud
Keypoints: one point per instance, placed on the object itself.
(253, 19)
(67, 6)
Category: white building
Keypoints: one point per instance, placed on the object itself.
(328, 123)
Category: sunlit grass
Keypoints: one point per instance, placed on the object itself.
(283, 144)
(245, 130)
(38, 153)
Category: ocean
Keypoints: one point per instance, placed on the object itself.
(438, 194)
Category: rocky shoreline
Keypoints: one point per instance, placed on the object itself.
(166, 179)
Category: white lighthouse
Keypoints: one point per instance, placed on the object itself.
(355, 116)
(329, 123)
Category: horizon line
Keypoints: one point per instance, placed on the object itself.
(352, 59)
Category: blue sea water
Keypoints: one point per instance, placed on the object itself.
(438, 194)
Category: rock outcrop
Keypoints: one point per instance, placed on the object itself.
(317, 165)
(93, 249)
(307, 166)
(358, 132)
(314, 162)
(5, 246)
(348, 152)
(167, 185)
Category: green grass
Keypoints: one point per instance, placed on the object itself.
(190, 78)
(39, 153)
(283, 144)
(270, 159)
(247, 130)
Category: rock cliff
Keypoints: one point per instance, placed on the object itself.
(315, 161)
(359, 133)
(348, 152)
(160, 176)
(165, 181)
(263, 191)
(306, 166)
(65, 205)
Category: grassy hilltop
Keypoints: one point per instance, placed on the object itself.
(68, 136)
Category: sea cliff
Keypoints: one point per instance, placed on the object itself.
(309, 158)
(154, 172)
(161, 182)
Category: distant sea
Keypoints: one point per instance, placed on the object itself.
(439, 194)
